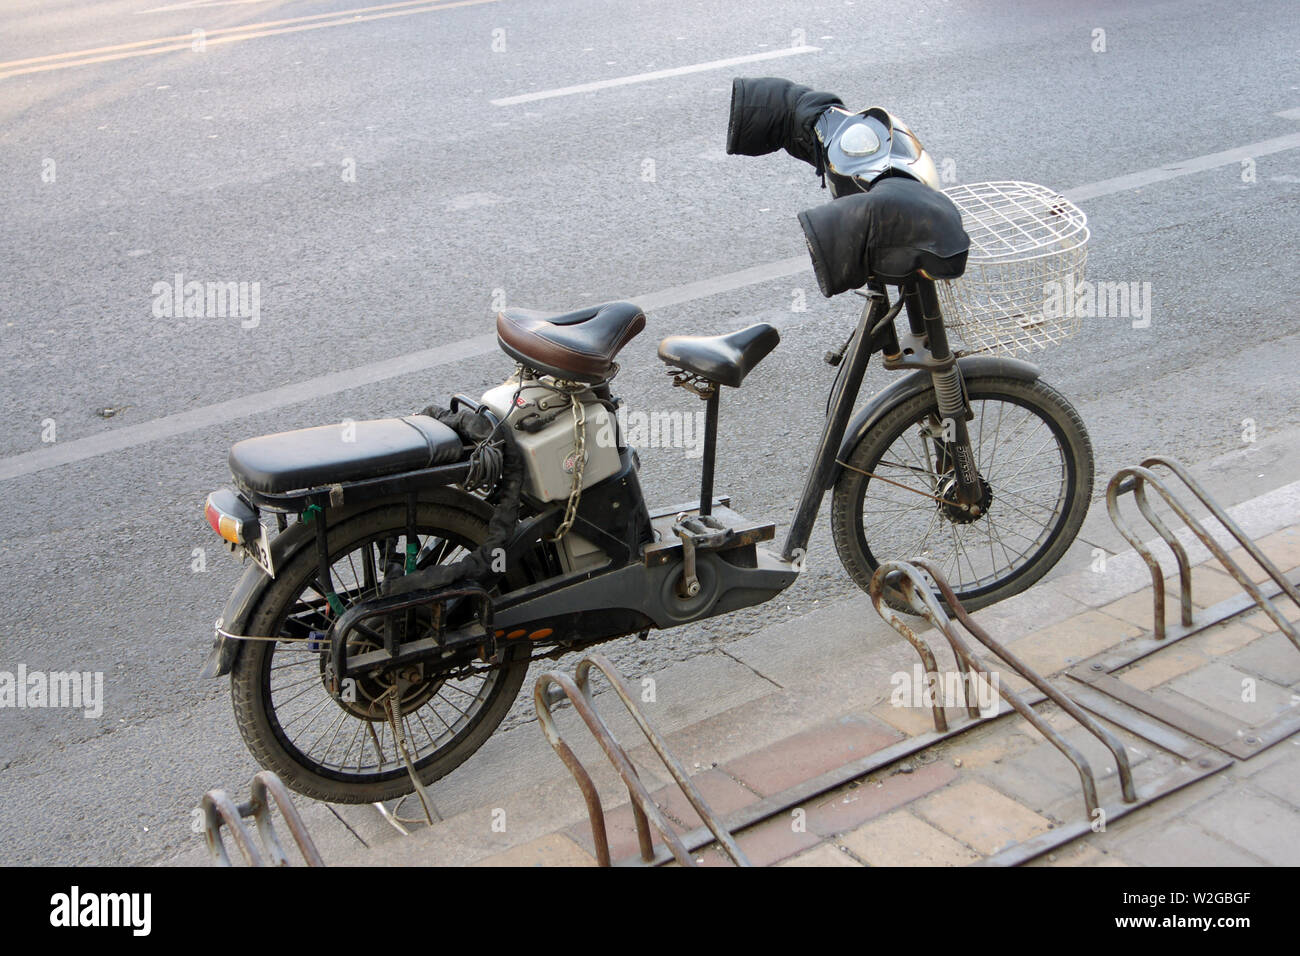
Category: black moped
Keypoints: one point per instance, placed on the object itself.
(408, 569)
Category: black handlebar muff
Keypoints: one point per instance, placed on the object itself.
(768, 114)
(893, 233)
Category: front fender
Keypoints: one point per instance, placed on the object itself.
(299, 535)
(972, 367)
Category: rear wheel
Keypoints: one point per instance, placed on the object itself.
(341, 748)
(1032, 452)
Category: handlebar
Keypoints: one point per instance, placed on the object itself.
(853, 150)
(768, 114)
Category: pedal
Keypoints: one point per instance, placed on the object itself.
(703, 532)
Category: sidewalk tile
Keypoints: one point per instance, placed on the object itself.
(620, 831)
(1247, 564)
(1209, 586)
(767, 843)
(1282, 781)
(1226, 638)
(901, 839)
(1282, 547)
(1221, 687)
(1254, 823)
(1179, 844)
(1137, 608)
(554, 849)
(1034, 789)
(1284, 751)
(1273, 657)
(849, 807)
(1078, 853)
(1002, 744)
(1286, 607)
(1164, 665)
(980, 817)
(912, 721)
(825, 855)
(1054, 648)
(810, 753)
(723, 795)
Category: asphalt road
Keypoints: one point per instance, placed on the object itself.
(351, 162)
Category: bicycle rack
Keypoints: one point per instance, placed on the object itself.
(916, 590)
(1135, 479)
(219, 809)
(646, 813)
(1142, 712)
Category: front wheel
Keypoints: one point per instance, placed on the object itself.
(1035, 458)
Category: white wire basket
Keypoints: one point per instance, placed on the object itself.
(1028, 249)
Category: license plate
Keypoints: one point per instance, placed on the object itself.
(260, 551)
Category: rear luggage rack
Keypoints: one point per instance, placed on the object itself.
(392, 651)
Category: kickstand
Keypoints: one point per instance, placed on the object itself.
(392, 706)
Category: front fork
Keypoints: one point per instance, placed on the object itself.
(926, 323)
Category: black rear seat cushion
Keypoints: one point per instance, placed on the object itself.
(313, 457)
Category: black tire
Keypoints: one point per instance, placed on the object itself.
(251, 680)
(1065, 448)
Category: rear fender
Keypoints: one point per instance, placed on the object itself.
(286, 546)
(972, 367)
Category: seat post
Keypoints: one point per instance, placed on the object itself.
(710, 449)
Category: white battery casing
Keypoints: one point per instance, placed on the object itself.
(549, 453)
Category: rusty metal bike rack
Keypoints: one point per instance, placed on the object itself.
(1135, 479)
(219, 809)
(1145, 714)
(646, 813)
(917, 592)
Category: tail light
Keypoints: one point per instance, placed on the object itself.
(232, 517)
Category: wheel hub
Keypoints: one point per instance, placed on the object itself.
(963, 514)
(364, 697)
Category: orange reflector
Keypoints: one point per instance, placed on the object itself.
(514, 634)
(542, 634)
(501, 633)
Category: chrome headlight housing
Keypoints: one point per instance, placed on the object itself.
(862, 147)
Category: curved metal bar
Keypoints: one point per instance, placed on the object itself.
(1232, 527)
(595, 812)
(936, 616)
(266, 782)
(1176, 546)
(1114, 489)
(877, 591)
(643, 804)
(218, 808)
(1112, 743)
(1251, 588)
(601, 663)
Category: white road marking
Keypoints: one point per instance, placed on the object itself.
(656, 75)
(130, 436)
(1186, 168)
(193, 4)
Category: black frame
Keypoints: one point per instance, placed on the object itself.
(614, 512)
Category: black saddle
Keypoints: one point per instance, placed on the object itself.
(577, 345)
(314, 457)
(725, 359)
(898, 231)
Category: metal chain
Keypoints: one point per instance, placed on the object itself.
(579, 462)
